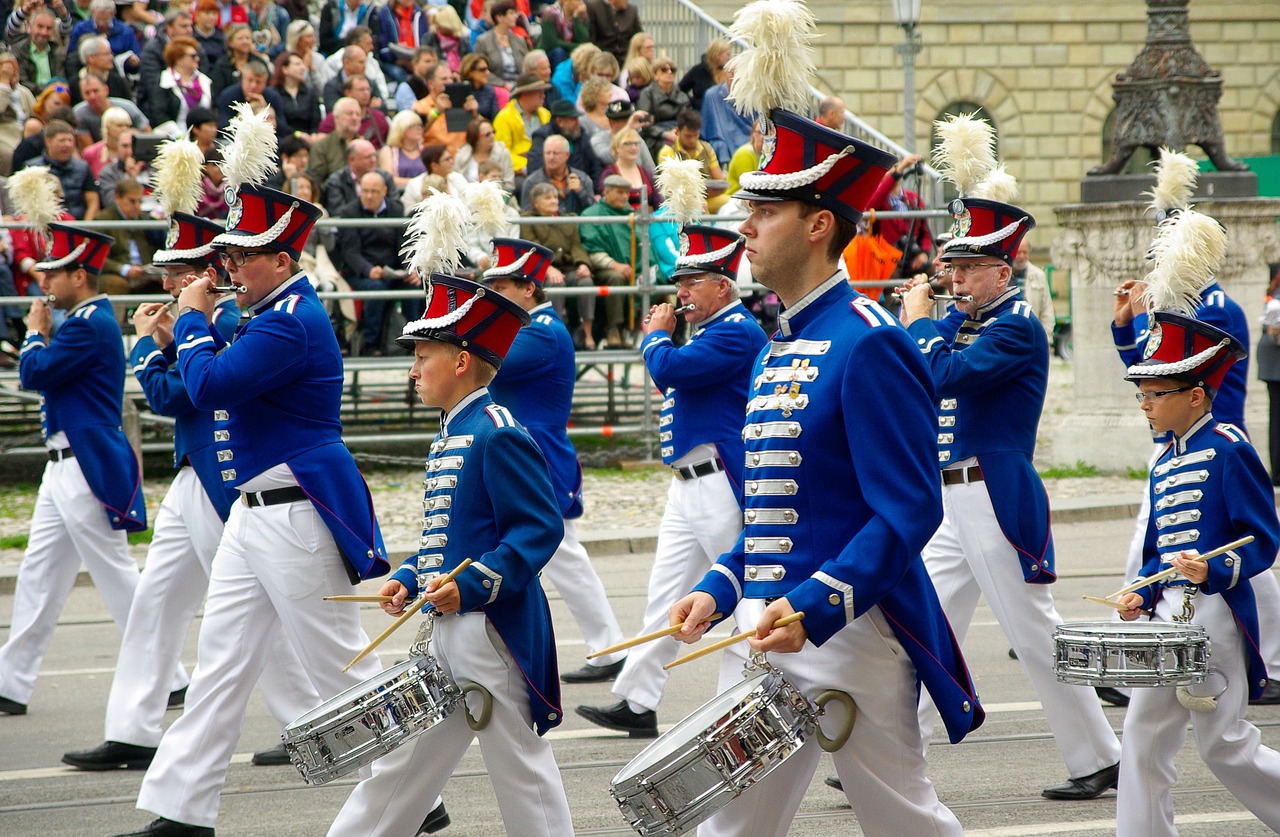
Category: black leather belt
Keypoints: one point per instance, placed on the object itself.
(61, 454)
(273, 497)
(700, 469)
(955, 476)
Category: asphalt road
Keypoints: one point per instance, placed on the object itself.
(992, 780)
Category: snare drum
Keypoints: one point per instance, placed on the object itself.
(1131, 653)
(371, 719)
(705, 761)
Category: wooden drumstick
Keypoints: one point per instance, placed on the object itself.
(1172, 571)
(359, 598)
(1107, 602)
(409, 611)
(641, 640)
(725, 643)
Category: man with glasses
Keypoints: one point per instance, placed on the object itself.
(705, 384)
(990, 369)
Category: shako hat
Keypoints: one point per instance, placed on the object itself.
(70, 245)
(521, 260)
(705, 249)
(986, 228)
(469, 316)
(266, 218)
(1186, 349)
(189, 241)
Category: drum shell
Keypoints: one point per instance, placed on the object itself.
(1130, 654)
(700, 765)
(370, 719)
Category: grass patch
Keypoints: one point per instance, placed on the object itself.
(1138, 473)
(20, 541)
(18, 499)
(623, 473)
(1080, 469)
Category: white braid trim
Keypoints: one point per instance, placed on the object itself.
(707, 258)
(440, 322)
(515, 267)
(752, 181)
(65, 260)
(984, 240)
(260, 240)
(1162, 370)
(165, 256)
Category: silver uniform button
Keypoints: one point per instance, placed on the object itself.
(965, 706)
(834, 599)
(777, 573)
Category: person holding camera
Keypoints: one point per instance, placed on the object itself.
(891, 196)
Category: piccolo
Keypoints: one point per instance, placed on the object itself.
(232, 288)
(944, 297)
(1122, 292)
(683, 309)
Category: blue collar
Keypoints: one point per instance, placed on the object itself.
(795, 317)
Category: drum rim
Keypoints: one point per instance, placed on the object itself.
(348, 697)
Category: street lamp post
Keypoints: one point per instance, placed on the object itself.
(907, 13)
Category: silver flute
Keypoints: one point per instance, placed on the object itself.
(234, 287)
(683, 309)
(957, 298)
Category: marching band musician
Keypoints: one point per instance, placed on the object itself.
(841, 494)
(535, 383)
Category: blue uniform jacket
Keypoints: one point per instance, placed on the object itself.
(842, 488)
(536, 384)
(80, 376)
(489, 498)
(990, 376)
(1217, 309)
(1208, 489)
(705, 384)
(157, 370)
(275, 393)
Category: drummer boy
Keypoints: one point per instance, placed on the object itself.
(489, 498)
(1208, 488)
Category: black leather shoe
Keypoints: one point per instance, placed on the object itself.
(12, 707)
(274, 757)
(169, 828)
(620, 717)
(111, 755)
(177, 699)
(593, 674)
(1086, 787)
(1013, 655)
(834, 782)
(1270, 695)
(1115, 697)
(437, 820)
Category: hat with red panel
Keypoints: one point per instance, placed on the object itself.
(1186, 349)
(706, 249)
(177, 181)
(189, 241)
(37, 200)
(70, 246)
(986, 228)
(520, 260)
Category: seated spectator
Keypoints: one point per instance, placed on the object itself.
(502, 48)
(343, 186)
(400, 27)
(143, 20)
(371, 256)
(180, 87)
(439, 174)
(595, 100)
(570, 264)
(301, 101)
(207, 30)
(564, 27)
(433, 106)
(125, 270)
(639, 73)
(318, 264)
(95, 102)
(745, 159)
(574, 187)
(570, 75)
(226, 70)
(415, 86)
(355, 64)
(97, 59)
(613, 24)
(338, 18)
(643, 46)
(41, 58)
(295, 154)
(610, 249)
(52, 103)
(79, 191)
(253, 89)
(453, 38)
(300, 39)
(482, 147)
(475, 71)
(177, 24)
(268, 23)
(605, 66)
(626, 153)
(722, 126)
(402, 155)
(663, 101)
(373, 122)
(212, 203)
(202, 128)
(831, 113)
(566, 122)
(523, 115)
(16, 101)
(230, 11)
(102, 21)
(329, 153)
(536, 62)
(707, 73)
(690, 146)
(621, 115)
(107, 150)
(344, 64)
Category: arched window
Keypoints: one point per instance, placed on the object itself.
(1141, 159)
(955, 109)
(1275, 134)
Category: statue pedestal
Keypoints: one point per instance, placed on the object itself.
(1104, 244)
(1210, 185)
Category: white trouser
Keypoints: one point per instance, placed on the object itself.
(701, 522)
(1155, 727)
(969, 555)
(68, 528)
(173, 584)
(531, 798)
(272, 568)
(576, 580)
(882, 767)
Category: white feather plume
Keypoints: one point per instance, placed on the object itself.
(1176, 176)
(966, 151)
(436, 235)
(683, 188)
(774, 70)
(998, 185)
(178, 167)
(1186, 255)
(488, 204)
(36, 195)
(249, 150)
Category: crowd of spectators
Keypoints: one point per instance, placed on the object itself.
(568, 104)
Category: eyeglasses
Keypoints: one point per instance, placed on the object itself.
(239, 257)
(970, 268)
(630, 144)
(483, 69)
(665, 70)
(1152, 396)
(688, 283)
